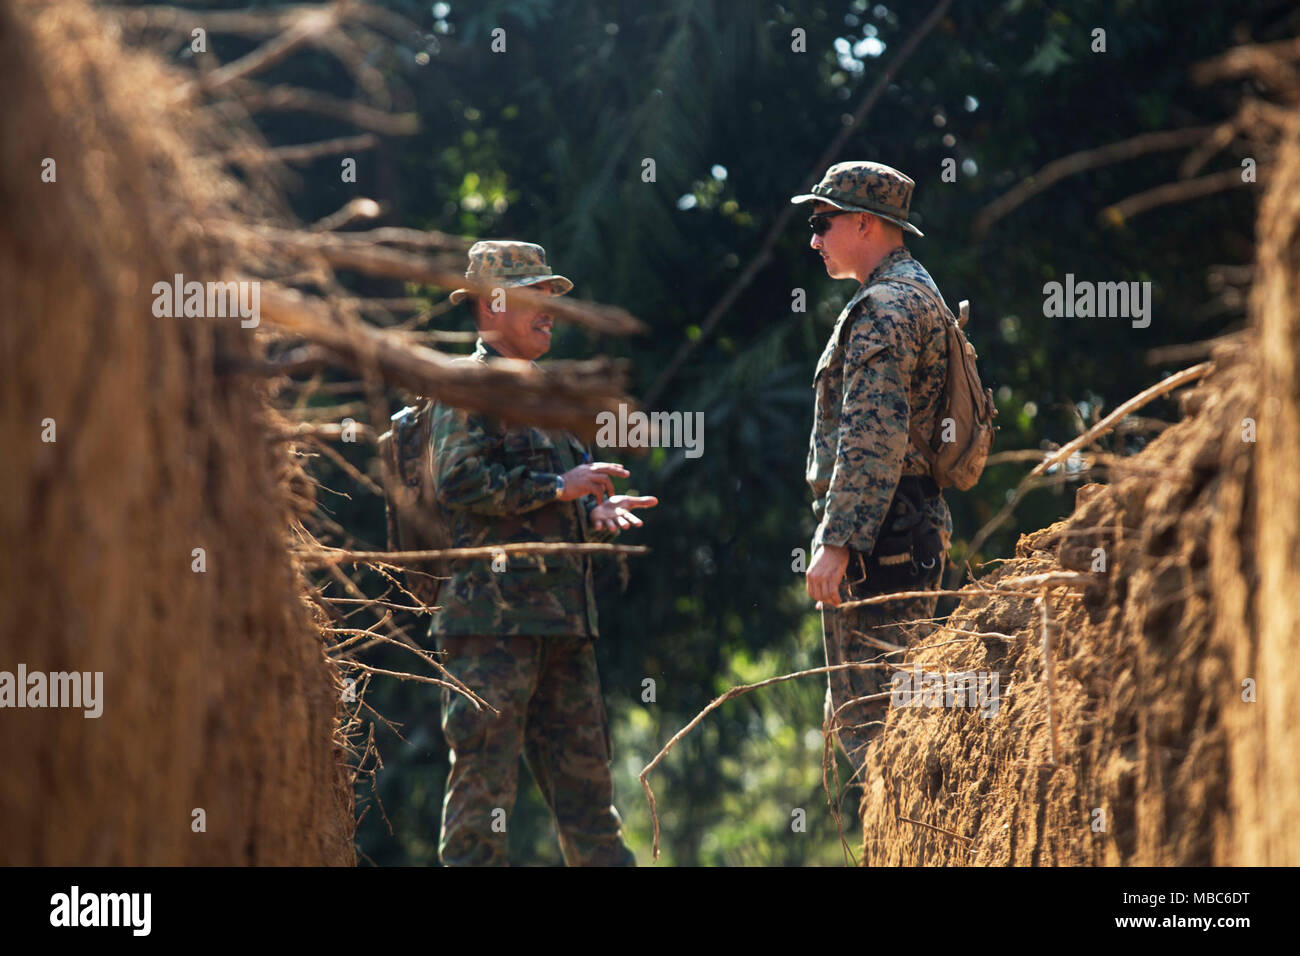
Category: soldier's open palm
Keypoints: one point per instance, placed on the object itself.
(616, 514)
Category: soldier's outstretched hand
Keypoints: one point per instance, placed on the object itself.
(616, 513)
(591, 479)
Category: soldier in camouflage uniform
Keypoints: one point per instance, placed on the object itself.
(883, 368)
(520, 631)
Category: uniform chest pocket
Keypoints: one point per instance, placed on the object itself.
(828, 354)
(529, 447)
(833, 348)
(861, 359)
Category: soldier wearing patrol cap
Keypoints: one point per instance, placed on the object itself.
(883, 369)
(520, 631)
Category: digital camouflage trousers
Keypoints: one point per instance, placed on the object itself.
(548, 693)
(856, 635)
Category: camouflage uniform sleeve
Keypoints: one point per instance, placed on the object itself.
(466, 476)
(878, 362)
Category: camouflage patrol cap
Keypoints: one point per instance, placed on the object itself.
(866, 187)
(505, 262)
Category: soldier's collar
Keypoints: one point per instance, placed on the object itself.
(893, 258)
(482, 350)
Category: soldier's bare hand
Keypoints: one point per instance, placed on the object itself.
(591, 479)
(825, 573)
(616, 515)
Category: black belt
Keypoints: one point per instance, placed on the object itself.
(909, 546)
(928, 487)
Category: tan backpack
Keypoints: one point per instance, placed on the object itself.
(966, 403)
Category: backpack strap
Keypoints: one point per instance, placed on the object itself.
(920, 441)
(924, 288)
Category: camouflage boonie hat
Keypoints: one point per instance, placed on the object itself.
(505, 262)
(866, 187)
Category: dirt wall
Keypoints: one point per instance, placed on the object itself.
(1162, 758)
(216, 694)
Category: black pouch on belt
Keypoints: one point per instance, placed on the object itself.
(908, 548)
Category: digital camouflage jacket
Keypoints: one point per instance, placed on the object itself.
(497, 485)
(885, 364)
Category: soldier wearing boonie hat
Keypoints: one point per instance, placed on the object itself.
(520, 633)
(866, 187)
(882, 371)
(508, 263)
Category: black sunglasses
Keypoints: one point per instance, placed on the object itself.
(821, 221)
